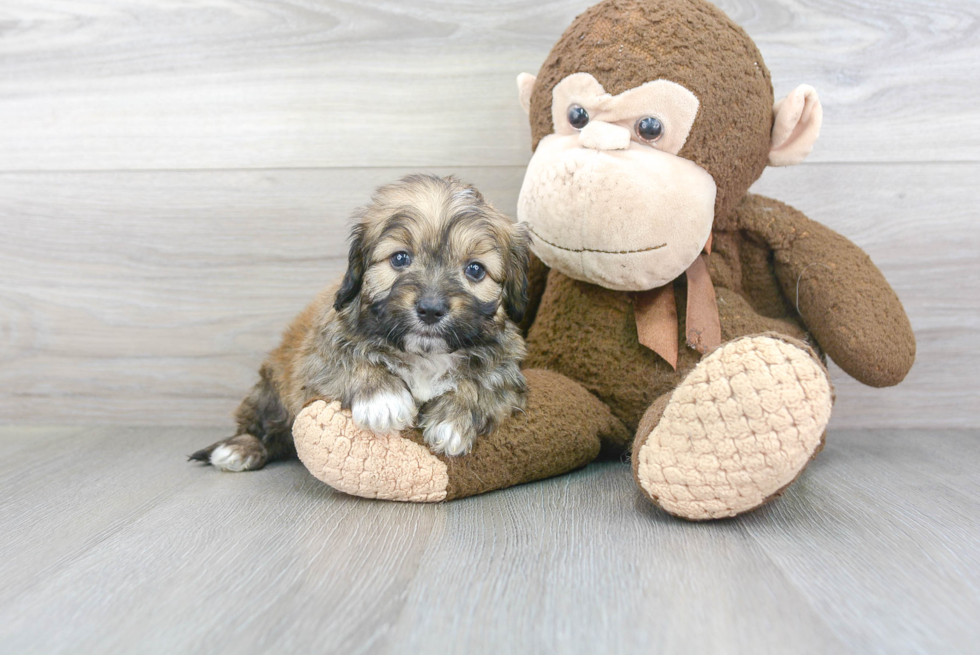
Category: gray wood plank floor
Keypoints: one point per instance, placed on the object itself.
(111, 543)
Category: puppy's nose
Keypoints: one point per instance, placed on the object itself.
(431, 310)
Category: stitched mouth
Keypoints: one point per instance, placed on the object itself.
(607, 252)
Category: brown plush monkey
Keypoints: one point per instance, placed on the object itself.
(671, 313)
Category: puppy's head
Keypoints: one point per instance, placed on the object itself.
(434, 267)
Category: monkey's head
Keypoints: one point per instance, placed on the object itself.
(650, 120)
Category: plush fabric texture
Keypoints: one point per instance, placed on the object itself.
(624, 43)
(588, 332)
(562, 428)
(737, 430)
(845, 301)
(798, 118)
(364, 464)
(649, 234)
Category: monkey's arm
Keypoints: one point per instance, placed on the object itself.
(843, 298)
(537, 277)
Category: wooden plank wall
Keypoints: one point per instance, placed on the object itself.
(175, 176)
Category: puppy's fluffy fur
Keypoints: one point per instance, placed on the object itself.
(420, 332)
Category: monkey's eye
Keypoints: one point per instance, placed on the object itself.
(475, 271)
(400, 259)
(577, 117)
(649, 129)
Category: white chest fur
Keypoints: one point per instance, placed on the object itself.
(428, 375)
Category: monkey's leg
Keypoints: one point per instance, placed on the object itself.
(736, 431)
(561, 430)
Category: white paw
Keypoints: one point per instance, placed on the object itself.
(445, 438)
(385, 412)
(229, 457)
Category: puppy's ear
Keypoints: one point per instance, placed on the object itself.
(351, 286)
(518, 259)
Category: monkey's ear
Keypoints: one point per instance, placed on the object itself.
(525, 85)
(351, 286)
(797, 125)
(515, 287)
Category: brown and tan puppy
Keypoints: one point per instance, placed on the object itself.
(420, 332)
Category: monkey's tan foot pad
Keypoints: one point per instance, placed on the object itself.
(361, 463)
(737, 430)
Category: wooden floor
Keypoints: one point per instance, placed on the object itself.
(111, 543)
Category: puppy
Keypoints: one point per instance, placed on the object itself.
(420, 332)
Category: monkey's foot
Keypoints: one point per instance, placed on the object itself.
(361, 463)
(737, 430)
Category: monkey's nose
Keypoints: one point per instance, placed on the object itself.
(599, 135)
(431, 310)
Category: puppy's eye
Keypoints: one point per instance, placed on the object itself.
(475, 271)
(400, 259)
(577, 117)
(649, 129)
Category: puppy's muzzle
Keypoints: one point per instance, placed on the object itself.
(431, 309)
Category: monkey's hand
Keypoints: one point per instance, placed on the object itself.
(841, 295)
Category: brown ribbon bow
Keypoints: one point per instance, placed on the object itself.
(656, 314)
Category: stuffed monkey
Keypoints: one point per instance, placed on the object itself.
(672, 314)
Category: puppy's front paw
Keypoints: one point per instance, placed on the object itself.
(449, 438)
(385, 412)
